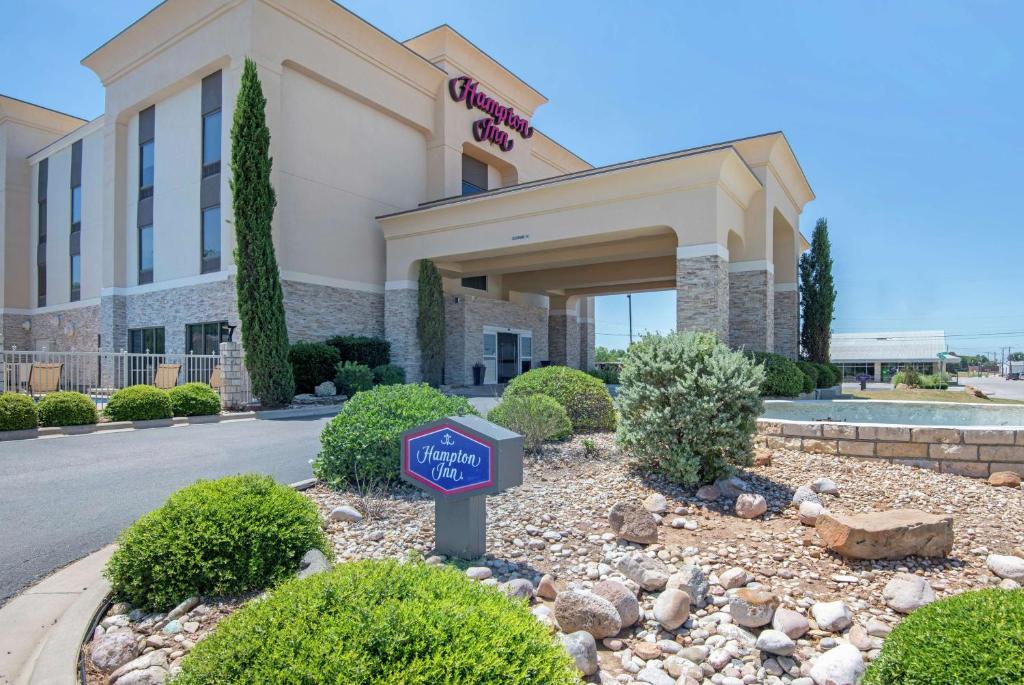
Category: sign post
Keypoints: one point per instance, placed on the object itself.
(460, 460)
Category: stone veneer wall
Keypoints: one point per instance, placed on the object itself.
(587, 345)
(318, 312)
(787, 323)
(14, 334)
(113, 323)
(752, 310)
(401, 309)
(174, 308)
(975, 452)
(70, 330)
(702, 295)
(464, 325)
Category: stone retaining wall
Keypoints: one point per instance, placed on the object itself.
(975, 452)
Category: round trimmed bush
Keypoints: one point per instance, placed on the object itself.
(352, 378)
(975, 637)
(584, 398)
(388, 374)
(362, 442)
(66, 408)
(377, 623)
(810, 372)
(312, 364)
(538, 418)
(17, 412)
(139, 403)
(827, 375)
(194, 399)
(688, 406)
(215, 537)
(782, 377)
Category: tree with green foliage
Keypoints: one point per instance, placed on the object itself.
(1016, 357)
(260, 299)
(817, 296)
(430, 323)
(604, 354)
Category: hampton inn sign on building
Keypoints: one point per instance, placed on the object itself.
(117, 232)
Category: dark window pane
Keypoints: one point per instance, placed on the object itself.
(158, 340)
(475, 282)
(42, 220)
(76, 205)
(76, 274)
(146, 165)
(146, 248)
(474, 172)
(211, 138)
(211, 239)
(212, 337)
(470, 189)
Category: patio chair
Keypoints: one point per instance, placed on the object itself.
(215, 381)
(166, 376)
(44, 378)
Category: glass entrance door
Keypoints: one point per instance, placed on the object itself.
(508, 356)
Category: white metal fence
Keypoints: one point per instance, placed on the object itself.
(100, 374)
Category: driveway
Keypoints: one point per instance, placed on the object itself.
(62, 498)
(996, 386)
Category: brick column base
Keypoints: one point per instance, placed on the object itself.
(752, 310)
(702, 295)
(563, 339)
(232, 376)
(787, 322)
(401, 309)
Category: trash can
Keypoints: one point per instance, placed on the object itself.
(478, 373)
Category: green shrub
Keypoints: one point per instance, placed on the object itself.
(585, 398)
(380, 623)
(139, 403)
(362, 442)
(810, 379)
(936, 381)
(194, 399)
(215, 537)
(351, 378)
(782, 377)
(388, 374)
(688, 406)
(537, 418)
(66, 408)
(17, 412)
(975, 637)
(362, 350)
(312, 364)
(828, 375)
(837, 373)
(607, 374)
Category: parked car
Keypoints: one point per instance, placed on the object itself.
(1015, 376)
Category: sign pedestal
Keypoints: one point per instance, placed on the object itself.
(460, 460)
(460, 527)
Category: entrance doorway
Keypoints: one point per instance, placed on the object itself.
(508, 354)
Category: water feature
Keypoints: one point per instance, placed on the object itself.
(897, 412)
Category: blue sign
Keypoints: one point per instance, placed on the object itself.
(447, 460)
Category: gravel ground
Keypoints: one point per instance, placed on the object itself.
(556, 524)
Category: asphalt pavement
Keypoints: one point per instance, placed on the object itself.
(62, 498)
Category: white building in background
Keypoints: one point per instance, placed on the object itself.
(881, 355)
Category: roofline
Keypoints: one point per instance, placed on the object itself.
(481, 50)
(59, 142)
(573, 175)
(814, 195)
(563, 147)
(48, 109)
(334, 2)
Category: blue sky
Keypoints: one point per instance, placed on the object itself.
(908, 119)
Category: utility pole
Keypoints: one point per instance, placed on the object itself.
(629, 301)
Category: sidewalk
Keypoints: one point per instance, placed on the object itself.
(42, 628)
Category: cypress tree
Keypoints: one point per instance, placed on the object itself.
(260, 300)
(817, 295)
(430, 323)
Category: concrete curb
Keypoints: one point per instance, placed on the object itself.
(266, 415)
(43, 628)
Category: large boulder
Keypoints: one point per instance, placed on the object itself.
(575, 610)
(672, 608)
(650, 573)
(1005, 479)
(1006, 566)
(691, 580)
(753, 608)
(583, 650)
(622, 598)
(890, 534)
(834, 617)
(113, 650)
(633, 523)
(750, 505)
(842, 665)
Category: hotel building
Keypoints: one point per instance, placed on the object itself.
(117, 233)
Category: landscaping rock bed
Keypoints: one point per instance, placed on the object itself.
(770, 604)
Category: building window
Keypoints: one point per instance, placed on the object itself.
(146, 170)
(76, 277)
(146, 254)
(475, 282)
(146, 340)
(41, 182)
(211, 143)
(76, 208)
(211, 239)
(474, 176)
(206, 337)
